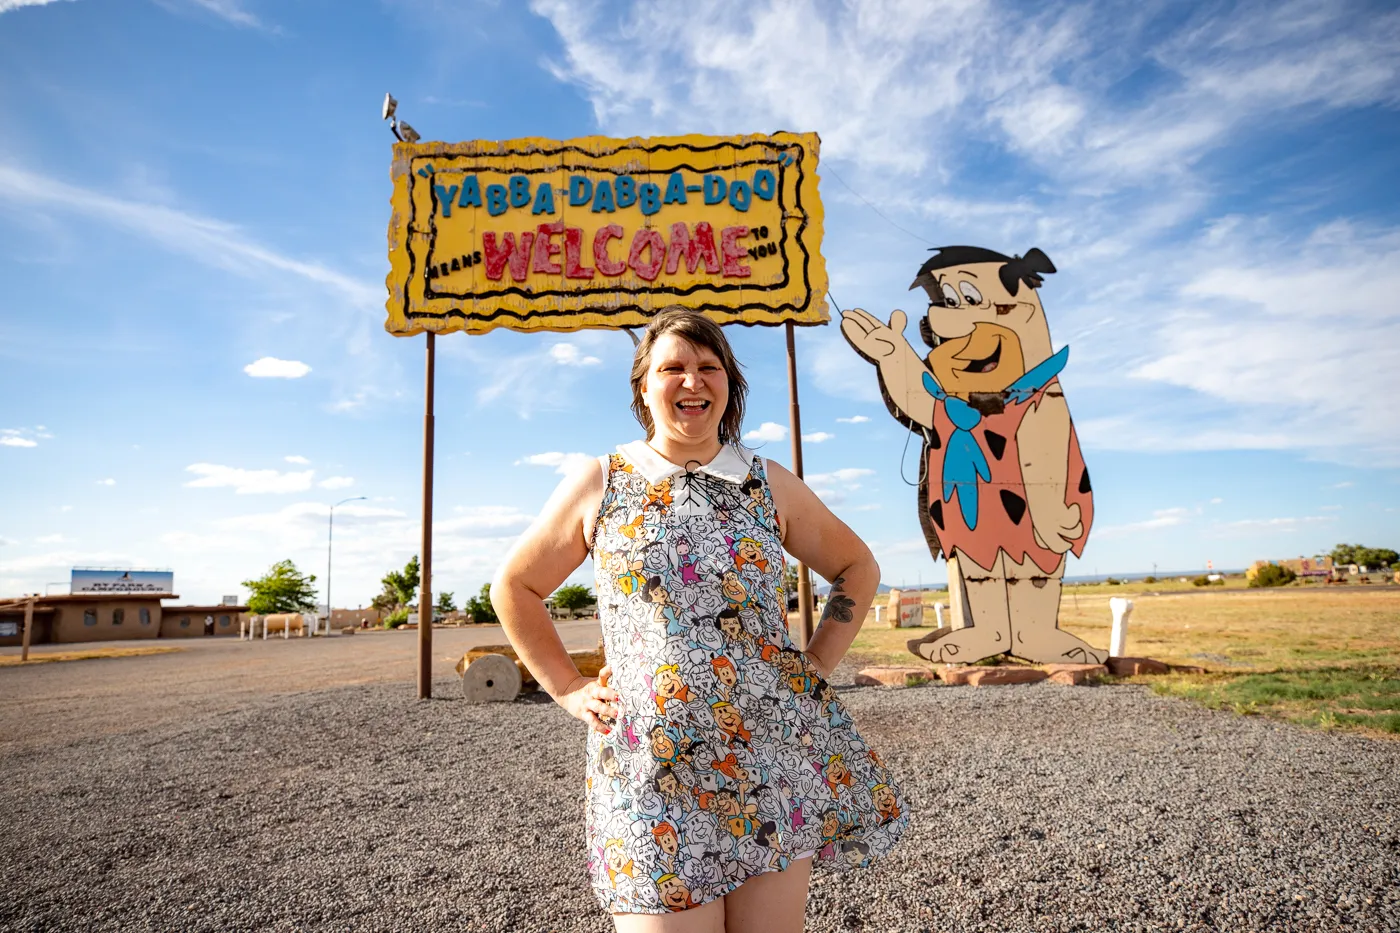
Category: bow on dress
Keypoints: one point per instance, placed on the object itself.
(963, 460)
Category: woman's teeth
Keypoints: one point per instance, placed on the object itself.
(692, 406)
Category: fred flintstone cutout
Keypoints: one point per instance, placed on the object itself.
(1003, 491)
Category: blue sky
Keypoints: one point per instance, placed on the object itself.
(189, 187)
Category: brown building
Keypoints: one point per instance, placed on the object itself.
(102, 616)
(12, 624)
(114, 617)
(188, 621)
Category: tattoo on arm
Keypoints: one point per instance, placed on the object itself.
(839, 606)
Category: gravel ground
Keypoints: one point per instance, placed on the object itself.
(358, 808)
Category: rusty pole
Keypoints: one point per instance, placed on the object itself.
(804, 580)
(425, 590)
(29, 626)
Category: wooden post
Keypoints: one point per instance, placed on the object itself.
(28, 627)
(804, 580)
(425, 589)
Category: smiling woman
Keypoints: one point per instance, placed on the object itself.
(722, 767)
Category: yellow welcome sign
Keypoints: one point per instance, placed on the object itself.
(538, 234)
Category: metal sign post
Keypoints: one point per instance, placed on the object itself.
(804, 579)
(425, 590)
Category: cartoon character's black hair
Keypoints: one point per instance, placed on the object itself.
(649, 587)
(750, 484)
(1014, 269)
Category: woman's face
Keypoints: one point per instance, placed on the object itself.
(686, 389)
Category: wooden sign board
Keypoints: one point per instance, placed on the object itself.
(537, 234)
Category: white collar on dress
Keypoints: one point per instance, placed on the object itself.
(731, 464)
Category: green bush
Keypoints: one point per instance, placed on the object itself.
(1112, 581)
(1205, 580)
(1273, 575)
(1149, 579)
(573, 597)
(396, 618)
(480, 608)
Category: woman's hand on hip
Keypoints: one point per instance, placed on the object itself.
(592, 700)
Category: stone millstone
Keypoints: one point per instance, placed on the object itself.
(998, 676)
(493, 678)
(1075, 675)
(1132, 667)
(893, 677)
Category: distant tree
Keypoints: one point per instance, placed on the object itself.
(445, 603)
(1149, 579)
(282, 589)
(1344, 554)
(402, 585)
(1273, 575)
(479, 606)
(573, 597)
(385, 602)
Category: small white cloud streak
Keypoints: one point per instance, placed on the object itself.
(337, 482)
(8, 5)
(107, 482)
(1161, 518)
(768, 432)
(817, 437)
(563, 463)
(210, 241)
(297, 459)
(11, 441)
(270, 367)
(230, 11)
(566, 354)
(854, 419)
(247, 482)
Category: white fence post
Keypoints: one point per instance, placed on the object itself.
(1122, 610)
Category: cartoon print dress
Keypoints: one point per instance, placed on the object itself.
(731, 756)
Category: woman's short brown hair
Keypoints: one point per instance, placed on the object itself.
(702, 332)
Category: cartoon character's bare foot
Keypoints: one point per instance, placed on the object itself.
(959, 645)
(1046, 644)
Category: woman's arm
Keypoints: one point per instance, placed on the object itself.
(823, 542)
(551, 549)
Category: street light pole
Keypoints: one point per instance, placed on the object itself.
(330, 538)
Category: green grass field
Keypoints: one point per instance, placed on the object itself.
(1324, 656)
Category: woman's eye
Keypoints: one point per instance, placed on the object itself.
(970, 292)
(950, 296)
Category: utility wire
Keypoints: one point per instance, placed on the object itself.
(828, 167)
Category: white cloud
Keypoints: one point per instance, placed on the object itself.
(817, 437)
(1161, 518)
(337, 482)
(8, 5)
(1269, 525)
(847, 475)
(269, 367)
(229, 11)
(107, 482)
(1216, 501)
(1232, 340)
(1344, 485)
(12, 441)
(299, 460)
(50, 539)
(768, 432)
(563, 463)
(854, 419)
(566, 354)
(210, 241)
(246, 482)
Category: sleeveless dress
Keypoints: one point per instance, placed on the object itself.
(731, 756)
